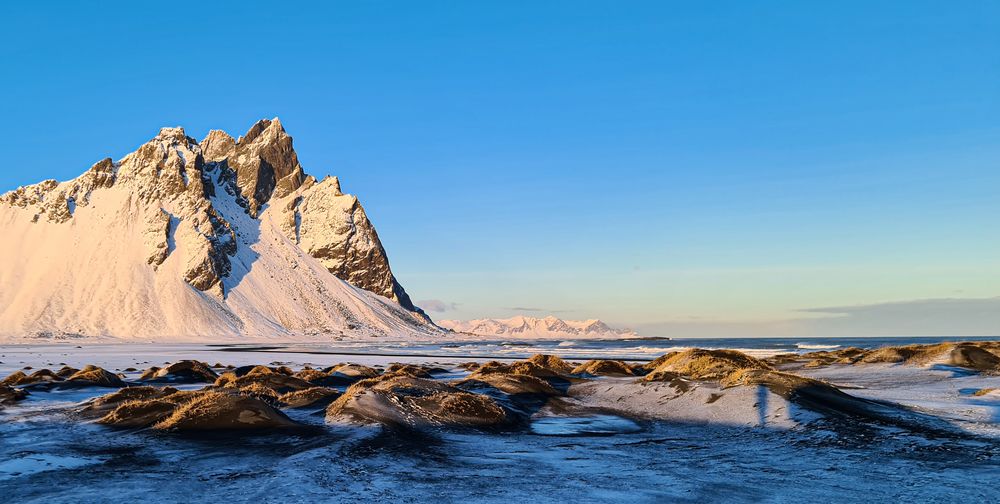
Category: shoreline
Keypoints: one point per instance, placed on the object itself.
(108, 340)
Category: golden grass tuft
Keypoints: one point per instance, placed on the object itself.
(699, 364)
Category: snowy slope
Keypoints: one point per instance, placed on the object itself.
(530, 327)
(163, 245)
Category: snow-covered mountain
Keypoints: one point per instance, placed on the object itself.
(184, 240)
(530, 327)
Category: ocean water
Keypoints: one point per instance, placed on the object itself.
(638, 349)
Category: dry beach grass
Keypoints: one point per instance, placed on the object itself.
(494, 394)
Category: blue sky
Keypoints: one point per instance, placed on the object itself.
(688, 168)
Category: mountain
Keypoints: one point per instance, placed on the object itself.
(185, 240)
(530, 327)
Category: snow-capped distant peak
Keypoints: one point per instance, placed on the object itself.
(521, 326)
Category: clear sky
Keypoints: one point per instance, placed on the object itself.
(687, 168)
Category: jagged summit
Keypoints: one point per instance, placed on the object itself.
(264, 160)
(530, 327)
(212, 213)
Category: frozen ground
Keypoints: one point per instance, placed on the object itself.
(942, 391)
(772, 453)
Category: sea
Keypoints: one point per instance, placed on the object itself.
(630, 349)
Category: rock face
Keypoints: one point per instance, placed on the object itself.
(261, 160)
(333, 228)
(531, 327)
(237, 222)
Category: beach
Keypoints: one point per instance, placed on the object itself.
(603, 431)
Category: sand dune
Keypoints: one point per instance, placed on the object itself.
(723, 387)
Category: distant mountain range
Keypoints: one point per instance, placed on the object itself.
(184, 240)
(530, 327)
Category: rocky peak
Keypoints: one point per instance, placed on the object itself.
(165, 167)
(264, 162)
(272, 126)
(334, 228)
(179, 182)
(57, 202)
(548, 327)
(217, 145)
(175, 133)
(101, 175)
(334, 183)
(102, 168)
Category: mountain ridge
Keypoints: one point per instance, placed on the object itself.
(532, 327)
(216, 215)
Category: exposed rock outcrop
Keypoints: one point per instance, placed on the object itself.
(261, 159)
(334, 228)
(158, 237)
(217, 146)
